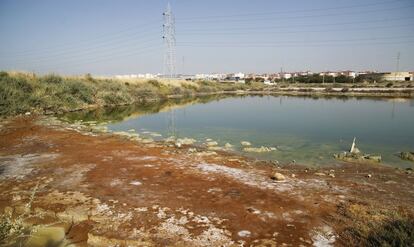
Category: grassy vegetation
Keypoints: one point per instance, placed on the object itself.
(22, 92)
(368, 225)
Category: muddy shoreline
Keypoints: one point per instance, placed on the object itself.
(106, 189)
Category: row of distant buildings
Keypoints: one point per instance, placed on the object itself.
(241, 77)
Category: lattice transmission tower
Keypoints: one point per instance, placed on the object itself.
(169, 42)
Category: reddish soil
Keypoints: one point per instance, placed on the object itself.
(114, 189)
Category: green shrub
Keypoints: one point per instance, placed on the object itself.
(3, 74)
(52, 78)
(81, 91)
(396, 232)
(177, 90)
(155, 83)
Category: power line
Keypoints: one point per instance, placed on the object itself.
(294, 45)
(114, 55)
(293, 32)
(292, 11)
(65, 45)
(302, 25)
(83, 51)
(300, 41)
(298, 17)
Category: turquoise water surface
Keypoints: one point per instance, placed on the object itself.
(305, 129)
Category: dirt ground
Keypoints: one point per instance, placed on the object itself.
(108, 190)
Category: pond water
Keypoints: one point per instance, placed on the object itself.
(308, 130)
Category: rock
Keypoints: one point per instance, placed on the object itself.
(376, 158)
(206, 153)
(331, 175)
(154, 134)
(245, 143)
(170, 139)
(407, 156)
(244, 233)
(278, 176)
(121, 133)
(192, 150)
(262, 149)
(293, 175)
(253, 211)
(215, 148)
(8, 210)
(27, 113)
(131, 130)
(319, 174)
(211, 143)
(357, 157)
(147, 140)
(368, 176)
(228, 145)
(135, 182)
(186, 141)
(16, 198)
(75, 214)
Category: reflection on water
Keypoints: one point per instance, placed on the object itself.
(308, 130)
(122, 113)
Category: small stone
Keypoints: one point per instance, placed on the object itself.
(368, 175)
(228, 145)
(319, 174)
(27, 113)
(211, 143)
(16, 198)
(407, 156)
(262, 149)
(186, 141)
(331, 175)
(244, 233)
(278, 176)
(245, 143)
(293, 175)
(135, 182)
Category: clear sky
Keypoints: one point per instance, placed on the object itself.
(106, 37)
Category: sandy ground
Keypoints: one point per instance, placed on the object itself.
(107, 190)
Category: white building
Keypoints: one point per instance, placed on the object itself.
(210, 76)
(134, 76)
(239, 75)
(268, 82)
(398, 76)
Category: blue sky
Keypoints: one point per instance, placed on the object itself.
(105, 37)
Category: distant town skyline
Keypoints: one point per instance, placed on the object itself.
(125, 37)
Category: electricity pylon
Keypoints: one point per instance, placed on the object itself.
(169, 42)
